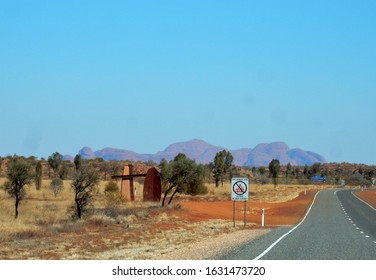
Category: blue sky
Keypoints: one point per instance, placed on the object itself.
(141, 75)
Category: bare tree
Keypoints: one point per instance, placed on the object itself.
(56, 186)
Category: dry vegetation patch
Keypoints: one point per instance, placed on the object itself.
(135, 230)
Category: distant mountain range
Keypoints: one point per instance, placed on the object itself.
(203, 152)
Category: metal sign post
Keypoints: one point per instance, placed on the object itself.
(239, 192)
(234, 210)
(245, 213)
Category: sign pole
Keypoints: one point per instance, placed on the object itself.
(239, 193)
(234, 216)
(245, 212)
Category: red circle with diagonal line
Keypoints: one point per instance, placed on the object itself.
(239, 188)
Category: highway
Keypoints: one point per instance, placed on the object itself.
(338, 226)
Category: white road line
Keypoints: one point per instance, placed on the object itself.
(352, 192)
(283, 236)
(363, 201)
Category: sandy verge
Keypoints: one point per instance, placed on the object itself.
(199, 228)
(209, 248)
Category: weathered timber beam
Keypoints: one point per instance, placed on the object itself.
(127, 177)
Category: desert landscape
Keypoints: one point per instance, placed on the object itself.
(129, 128)
(192, 227)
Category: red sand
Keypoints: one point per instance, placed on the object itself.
(368, 195)
(284, 213)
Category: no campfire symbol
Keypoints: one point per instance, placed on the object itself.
(239, 189)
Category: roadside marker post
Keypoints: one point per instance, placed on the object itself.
(239, 192)
(262, 217)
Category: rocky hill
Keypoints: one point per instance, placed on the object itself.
(204, 152)
(262, 154)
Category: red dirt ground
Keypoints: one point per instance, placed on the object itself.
(285, 213)
(368, 195)
(96, 239)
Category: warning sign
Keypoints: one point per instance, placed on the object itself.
(239, 190)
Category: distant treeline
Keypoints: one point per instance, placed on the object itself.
(219, 171)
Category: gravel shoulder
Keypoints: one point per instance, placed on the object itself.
(214, 246)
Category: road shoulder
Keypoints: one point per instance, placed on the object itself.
(209, 249)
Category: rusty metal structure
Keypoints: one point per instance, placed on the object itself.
(152, 184)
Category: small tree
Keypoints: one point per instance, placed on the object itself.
(77, 162)
(262, 179)
(288, 170)
(54, 161)
(63, 171)
(316, 167)
(306, 172)
(182, 175)
(56, 186)
(19, 175)
(274, 168)
(112, 194)
(219, 168)
(83, 185)
(38, 176)
(229, 158)
(222, 165)
(358, 179)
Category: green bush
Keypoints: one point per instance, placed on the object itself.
(112, 195)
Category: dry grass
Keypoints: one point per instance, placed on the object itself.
(40, 209)
(133, 230)
(258, 192)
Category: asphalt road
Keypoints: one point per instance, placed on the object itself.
(338, 226)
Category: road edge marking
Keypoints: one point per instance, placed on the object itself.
(283, 236)
(365, 202)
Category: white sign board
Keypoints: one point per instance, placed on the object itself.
(239, 189)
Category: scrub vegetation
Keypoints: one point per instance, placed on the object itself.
(73, 210)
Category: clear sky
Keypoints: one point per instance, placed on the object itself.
(141, 75)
